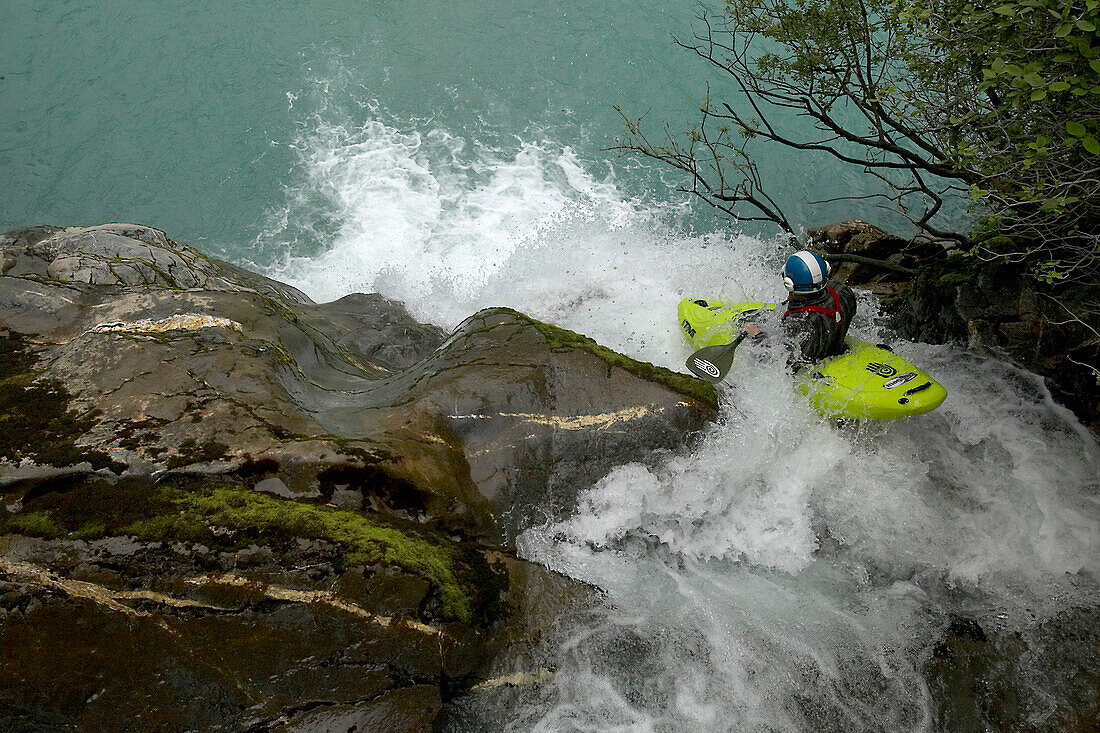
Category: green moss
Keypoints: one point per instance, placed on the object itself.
(45, 280)
(370, 456)
(192, 512)
(34, 524)
(364, 541)
(282, 356)
(952, 279)
(560, 338)
(90, 531)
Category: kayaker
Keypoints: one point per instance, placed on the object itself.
(818, 314)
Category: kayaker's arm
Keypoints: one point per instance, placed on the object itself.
(808, 339)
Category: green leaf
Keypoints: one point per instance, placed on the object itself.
(1095, 64)
(1090, 144)
(1059, 86)
(1063, 30)
(1038, 95)
(1035, 80)
(1004, 10)
(1086, 25)
(1075, 128)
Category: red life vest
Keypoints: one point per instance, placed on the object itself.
(833, 314)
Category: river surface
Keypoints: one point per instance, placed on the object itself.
(789, 573)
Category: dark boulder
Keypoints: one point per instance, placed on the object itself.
(855, 246)
(508, 418)
(1050, 329)
(974, 674)
(539, 413)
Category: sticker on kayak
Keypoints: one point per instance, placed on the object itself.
(883, 370)
(707, 368)
(900, 380)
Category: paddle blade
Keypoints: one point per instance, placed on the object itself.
(713, 362)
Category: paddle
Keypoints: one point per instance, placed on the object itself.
(712, 362)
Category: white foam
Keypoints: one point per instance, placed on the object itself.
(817, 560)
(451, 226)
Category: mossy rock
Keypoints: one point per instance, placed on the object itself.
(563, 339)
(33, 524)
(950, 280)
(226, 515)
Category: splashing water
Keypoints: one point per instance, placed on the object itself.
(795, 566)
(450, 226)
(790, 573)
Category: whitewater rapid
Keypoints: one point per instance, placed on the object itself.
(790, 572)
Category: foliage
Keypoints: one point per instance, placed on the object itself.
(1028, 124)
(998, 100)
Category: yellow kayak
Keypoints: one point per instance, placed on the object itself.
(866, 381)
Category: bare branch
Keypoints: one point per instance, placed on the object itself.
(861, 260)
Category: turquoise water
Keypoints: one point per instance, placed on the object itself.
(790, 573)
(184, 115)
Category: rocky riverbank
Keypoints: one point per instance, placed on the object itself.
(229, 507)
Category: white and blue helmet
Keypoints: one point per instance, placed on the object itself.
(805, 273)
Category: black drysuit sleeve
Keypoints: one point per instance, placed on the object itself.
(810, 337)
(813, 336)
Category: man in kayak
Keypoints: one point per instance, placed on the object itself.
(818, 314)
